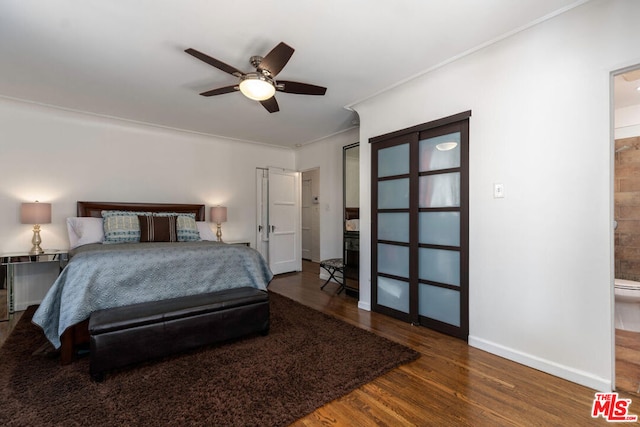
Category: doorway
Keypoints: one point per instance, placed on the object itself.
(311, 215)
(278, 233)
(626, 189)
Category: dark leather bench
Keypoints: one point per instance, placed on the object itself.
(122, 336)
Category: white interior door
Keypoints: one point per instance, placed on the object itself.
(285, 249)
(262, 212)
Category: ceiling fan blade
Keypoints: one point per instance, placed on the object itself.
(275, 60)
(214, 62)
(301, 88)
(271, 105)
(220, 90)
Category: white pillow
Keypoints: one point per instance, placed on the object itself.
(205, 231)
(84, 230)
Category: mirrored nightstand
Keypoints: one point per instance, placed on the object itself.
(8, 262)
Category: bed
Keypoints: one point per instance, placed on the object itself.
(100, 276)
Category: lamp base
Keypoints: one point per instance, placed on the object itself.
(36, 240)
(219, 233)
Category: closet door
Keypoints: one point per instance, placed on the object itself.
(391, 234)
(420, 226)
(442, 230)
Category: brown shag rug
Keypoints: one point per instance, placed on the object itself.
(307, 360)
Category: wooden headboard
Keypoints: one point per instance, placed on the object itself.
(94, 209)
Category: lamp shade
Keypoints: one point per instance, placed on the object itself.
(218, 214)
(35, 213)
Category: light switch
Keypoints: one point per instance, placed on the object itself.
(498, 191)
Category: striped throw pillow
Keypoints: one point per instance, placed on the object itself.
(158, 229)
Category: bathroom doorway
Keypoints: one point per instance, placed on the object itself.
(626, 188)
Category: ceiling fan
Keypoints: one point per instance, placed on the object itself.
(261, 85)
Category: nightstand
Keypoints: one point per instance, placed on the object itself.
(239, 243)
(8, 261)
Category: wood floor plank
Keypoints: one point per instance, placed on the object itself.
(450, 384)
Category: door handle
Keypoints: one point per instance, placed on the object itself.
(273, 228)
(259, 228)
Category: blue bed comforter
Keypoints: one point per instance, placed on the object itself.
(103, 276)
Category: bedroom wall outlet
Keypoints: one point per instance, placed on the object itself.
(498, 191)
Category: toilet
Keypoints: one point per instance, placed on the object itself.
(627, 309)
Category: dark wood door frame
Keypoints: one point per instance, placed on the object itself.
(412, 135)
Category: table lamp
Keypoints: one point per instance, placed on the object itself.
(219, 215)
(35, 213)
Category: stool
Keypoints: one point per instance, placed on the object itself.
(333, 266)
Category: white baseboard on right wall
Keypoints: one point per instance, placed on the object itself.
(566, 372)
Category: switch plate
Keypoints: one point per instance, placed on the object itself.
(498, 191)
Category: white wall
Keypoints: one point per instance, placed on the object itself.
(541, 258)
(61, 157)
(327, 156)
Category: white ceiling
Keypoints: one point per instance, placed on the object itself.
(627, 89)
(125, 58)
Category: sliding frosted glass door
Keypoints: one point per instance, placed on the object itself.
(420, 225)
(392, 245)
(440, 271)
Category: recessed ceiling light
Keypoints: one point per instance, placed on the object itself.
(446, 146)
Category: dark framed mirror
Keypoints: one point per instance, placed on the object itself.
(351, 221)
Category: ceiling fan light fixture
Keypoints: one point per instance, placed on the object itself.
(257, 87)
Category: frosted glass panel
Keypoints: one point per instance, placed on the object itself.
(439, 265)
(393, 194)
(436, 153)
(393, 260)
(393, 161)
(440, 228)
(440, 191)
(439, 303)
(393, 293)
(394, 227)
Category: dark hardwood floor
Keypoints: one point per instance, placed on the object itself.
(452, 384)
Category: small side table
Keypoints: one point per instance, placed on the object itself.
(8, 261)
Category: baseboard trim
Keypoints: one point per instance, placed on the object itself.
(568, 373)
(364, 305)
